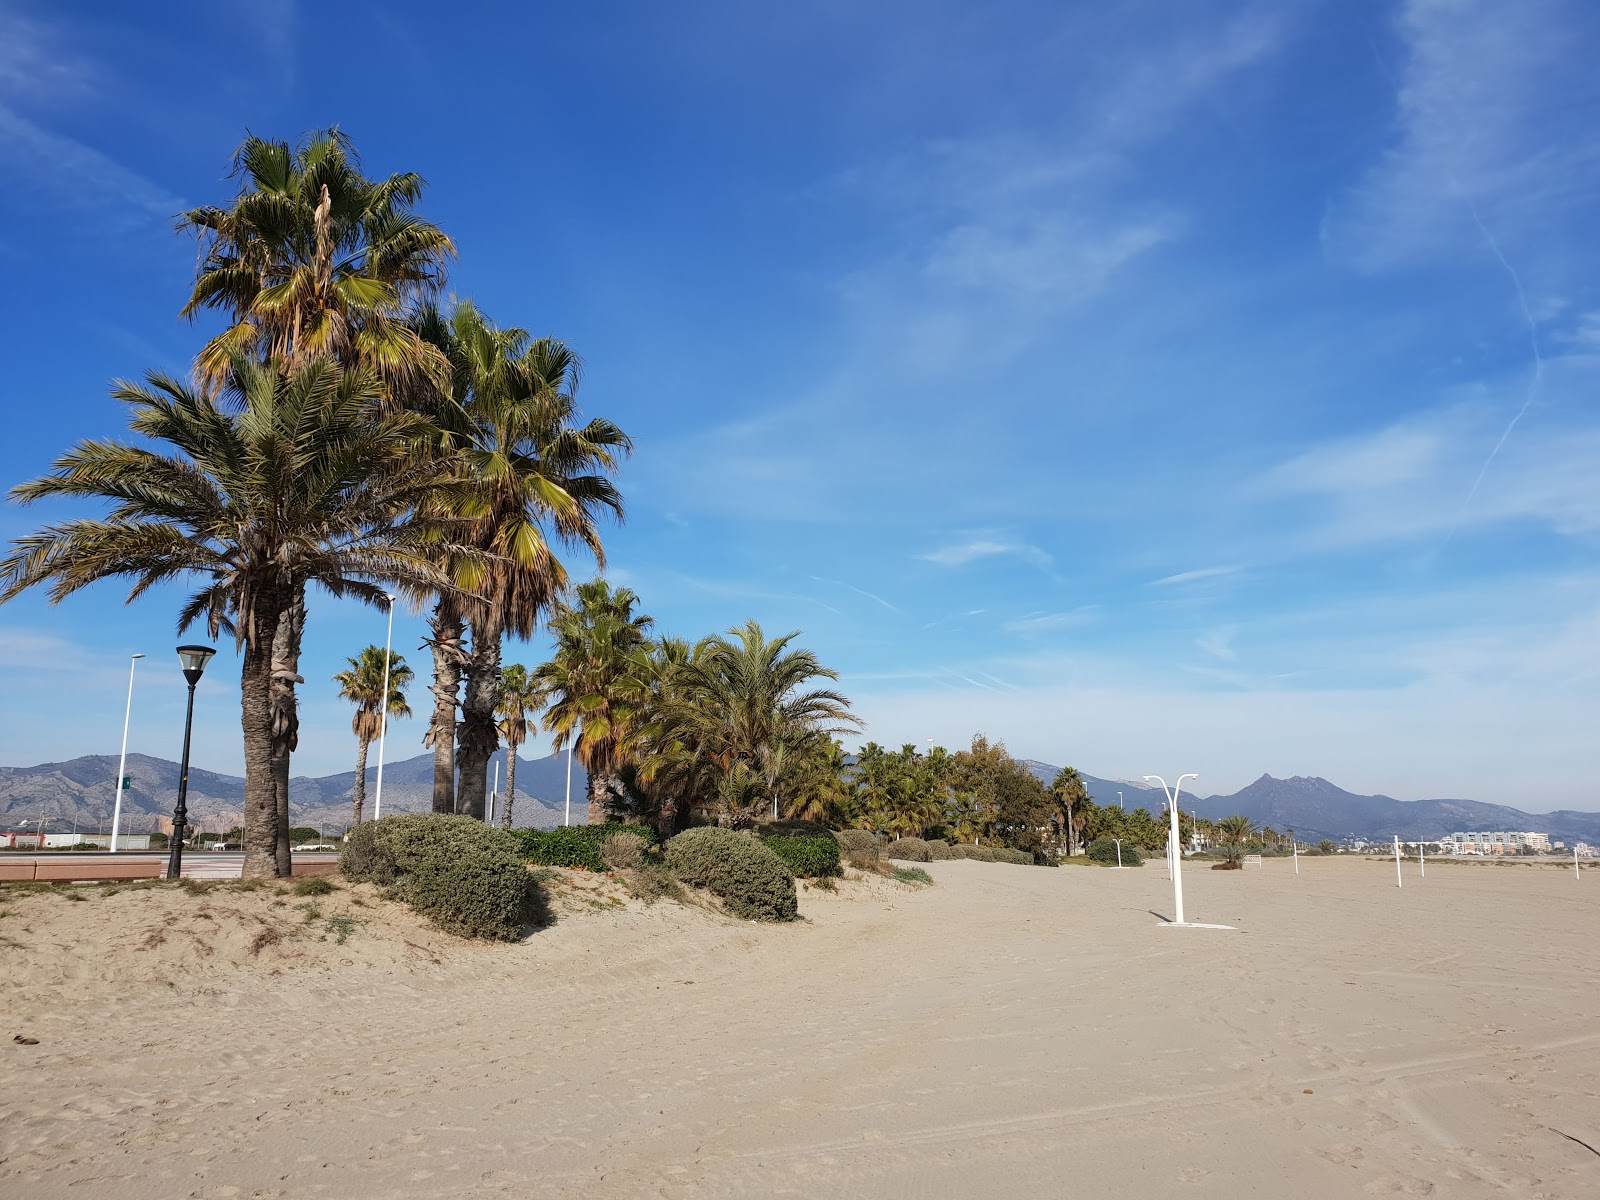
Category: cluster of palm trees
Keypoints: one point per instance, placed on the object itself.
(345, 429)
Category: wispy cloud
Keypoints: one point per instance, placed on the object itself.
(1219, 643)
(1049, 622)
(959, 554)
(81, 176)
(1194, 576)
(858, 591)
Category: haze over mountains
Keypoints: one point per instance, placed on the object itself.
(83, 789)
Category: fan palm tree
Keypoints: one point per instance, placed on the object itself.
(1232, 834)
(286, 479)
(314, 259)
(518, 697)
(1068, 790)
(597, 684)
(526, 469)
(362, 685)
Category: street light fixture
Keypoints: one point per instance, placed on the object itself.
(122, 763)
(193, 660)
(1174, 839)
(383, 708)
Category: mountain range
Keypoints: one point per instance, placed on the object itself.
(83, 790)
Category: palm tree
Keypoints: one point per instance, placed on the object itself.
(314, 259)
(362, 685)
(743, 697)
(518, 697)
(1068, 790)
(285, 479)
(524, 467)
(1233, 833)
(597, 684)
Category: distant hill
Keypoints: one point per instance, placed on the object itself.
(85, 790)
(1317, 809)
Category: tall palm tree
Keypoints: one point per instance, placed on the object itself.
(362, 685)
(1067, 791)
(1232, 835)
(527, 472)
(312, 259)
(597, 685)
(518, 697)
(285, 479)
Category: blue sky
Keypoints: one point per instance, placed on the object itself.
(1156, 387)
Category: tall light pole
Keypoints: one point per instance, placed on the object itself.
(122, 763)
(568, 821)
(1177, 844)
(193, 659)
(383, 709)
(1120, 805)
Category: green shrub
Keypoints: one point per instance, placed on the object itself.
(915, 876)
(465, 877)
(1104, 850)
(623, 851)
(576, 845)
(808, 857)
(908, 850)
(813, 829)
(749, 878)
(939, 851)
(316, 885)
(1020, 858)
(860, 843)
(977, 853)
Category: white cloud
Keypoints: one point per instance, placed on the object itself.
(959, 554)
(1219, 643)
(1049, 622)
(1193, 576)
(78, 175)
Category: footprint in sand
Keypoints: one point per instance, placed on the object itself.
(1399, 1185)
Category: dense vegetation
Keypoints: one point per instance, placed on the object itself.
(746, 876)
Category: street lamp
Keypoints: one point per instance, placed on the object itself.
(383, 708)
(1120, 804)
(122, 763)
(193, 660)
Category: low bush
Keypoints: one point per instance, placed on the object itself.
(860, 843)
(1019, 858)
(1104, 850)
(939, 851)
(465, 877)
(316, 885)
(808, 857)
(576, 845)
(908, 850)
(977, 853)
(750, 879)
(623, 851)
(915, 876)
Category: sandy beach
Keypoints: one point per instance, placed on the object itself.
(1007, 1032)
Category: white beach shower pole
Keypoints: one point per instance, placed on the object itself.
(383, 709)
(568, 821)
(1398, 882)
(1422, 862)
(1176, 844)
(494, 793)
(1576, 874)
(1119, 852)
(1296, 856)
(122, 763)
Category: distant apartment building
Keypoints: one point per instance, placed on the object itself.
(1500, 841)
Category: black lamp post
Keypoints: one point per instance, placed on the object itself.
(193, 659)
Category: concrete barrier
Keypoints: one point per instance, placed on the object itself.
(87, 872)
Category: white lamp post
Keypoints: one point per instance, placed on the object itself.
(383, 709)
(568, 821)
(1398, 882)
(1120, 805)
(122, 763)
(1118, 841)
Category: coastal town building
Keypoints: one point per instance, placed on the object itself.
(1495, 842)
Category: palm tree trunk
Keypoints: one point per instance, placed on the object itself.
(359, 791)
(260, 801)
(1072, 831)
(599, 800)
(477, 737)
(446, 644)
(511, 783)
(285, 717)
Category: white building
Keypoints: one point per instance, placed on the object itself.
(1499, 841)
(65, 841)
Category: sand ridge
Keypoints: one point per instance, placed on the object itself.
(1008, 1031)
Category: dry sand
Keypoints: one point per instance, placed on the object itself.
(1008, 1032)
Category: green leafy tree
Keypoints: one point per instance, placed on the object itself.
(1018, 807)
(285, 479)
(363, 685)
(1233, 836)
